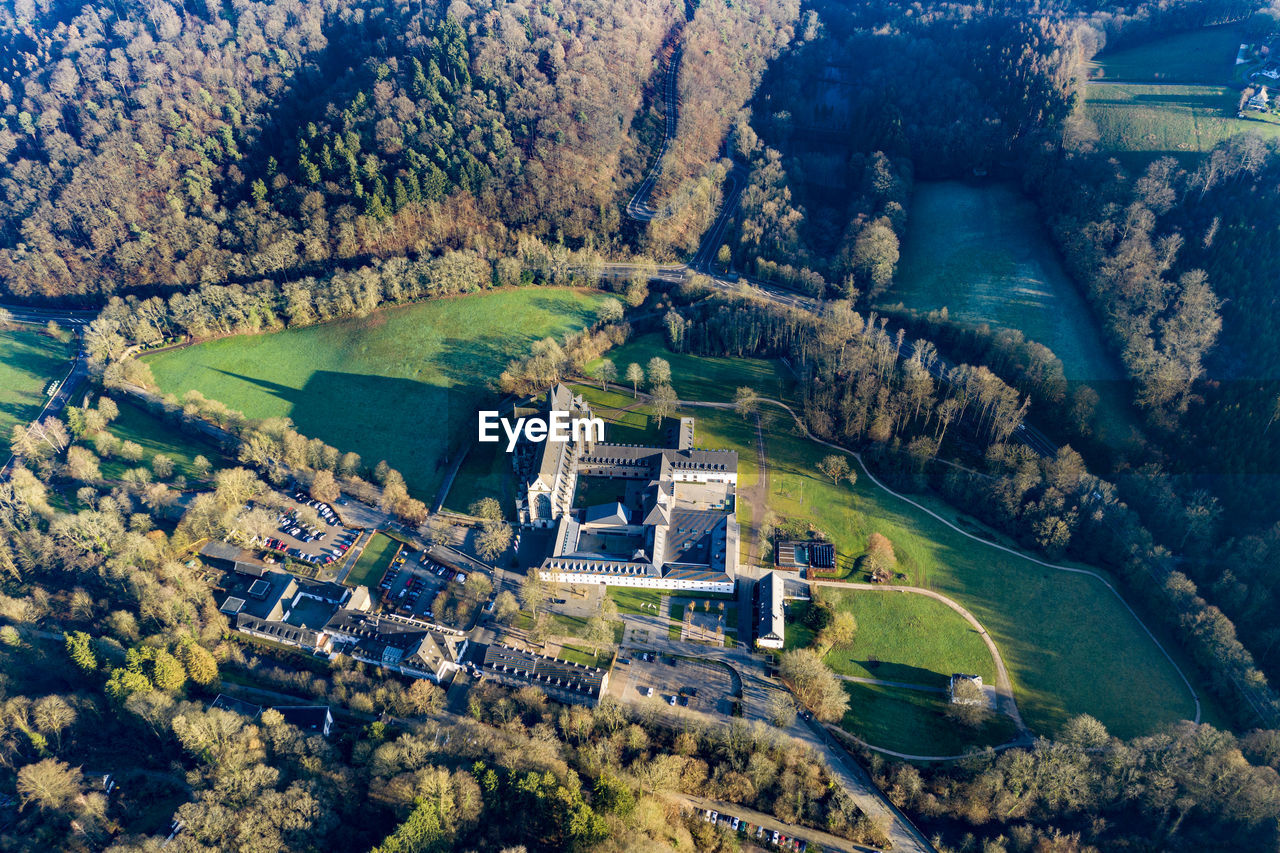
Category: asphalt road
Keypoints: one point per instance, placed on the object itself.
(639, 207)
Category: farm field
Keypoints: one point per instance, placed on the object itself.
(373, 561)
(1153, 120)
(402, 384)
(901, 637)
(29, 361)
(1177, 95)
(979, 252)
(702, 378)
(916, 722)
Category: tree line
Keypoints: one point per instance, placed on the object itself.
(1190, 787)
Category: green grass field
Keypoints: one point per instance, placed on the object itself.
(916, 722)
(402, 384)
(373, 561)
(700, 378)
(1177, 95)
(1151, 120)
(1205, 55)
(901, 637)
(155, 435)
(584, 656)
(1050, 626)
(980, 252)
(29, 361)
(635, 601)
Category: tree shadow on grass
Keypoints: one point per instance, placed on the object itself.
(415, 426)
(903, 673)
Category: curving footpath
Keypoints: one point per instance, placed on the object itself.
(1069, 569)
(1003, 686)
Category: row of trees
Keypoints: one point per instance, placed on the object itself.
(266, 305)
(1190, 787)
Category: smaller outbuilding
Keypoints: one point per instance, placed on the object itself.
(966, 690)
(770, 612)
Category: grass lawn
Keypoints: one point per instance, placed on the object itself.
(485, 473)
(635, 601)
(156, 435)
(593, 491)
(402, 384)
(916, 722)
(677, 618)
(700, 378)
(901, 637)
(373, 561)
(563, 625)
(625, 421)
(1050, 626)
(584, 656)
(979, 251)
(1204, 55)
(29, 361)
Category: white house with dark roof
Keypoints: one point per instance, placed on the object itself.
(770, 611)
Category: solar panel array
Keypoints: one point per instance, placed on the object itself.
(822, 556)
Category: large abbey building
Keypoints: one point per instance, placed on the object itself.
(659, 517)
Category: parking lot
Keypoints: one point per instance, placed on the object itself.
(696, 685)
(316, 544)
(756, 830)
(412, 582)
